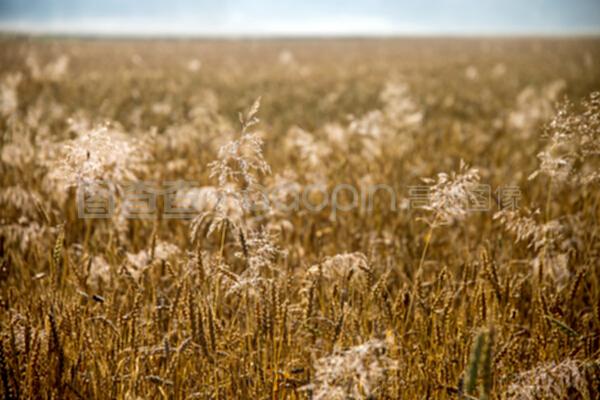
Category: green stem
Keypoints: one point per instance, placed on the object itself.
(548, 200)
(419, 270)
(223, 231)
(425, 248)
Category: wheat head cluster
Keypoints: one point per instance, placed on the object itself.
(253, 294)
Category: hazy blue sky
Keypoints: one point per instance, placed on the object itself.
(301, 17)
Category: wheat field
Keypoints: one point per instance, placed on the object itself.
(300, 219)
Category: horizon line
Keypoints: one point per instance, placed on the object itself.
(591, 34)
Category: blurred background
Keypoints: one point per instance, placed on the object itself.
(301, 18)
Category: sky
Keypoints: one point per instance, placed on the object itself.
(301, 17)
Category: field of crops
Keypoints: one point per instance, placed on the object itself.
(300, 219)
